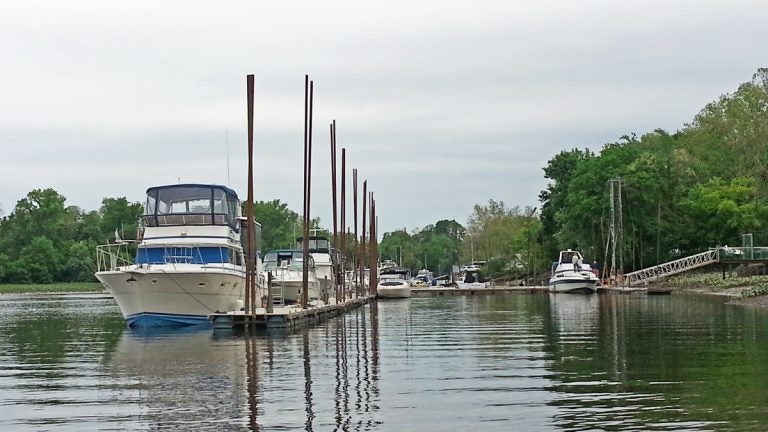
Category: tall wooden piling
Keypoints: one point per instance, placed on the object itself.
(308, 99)
(356, 268)
(250, 262)
(373, 257)
(335, 265)
(363, 229)
(343, 245)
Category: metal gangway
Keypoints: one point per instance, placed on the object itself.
(681, 265)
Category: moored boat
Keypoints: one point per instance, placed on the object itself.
(287, 268)
(326, 260)
(571, 275)
(470, 277)
(393, 282)
(423, 279)
(188, 261)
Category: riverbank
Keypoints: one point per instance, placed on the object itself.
(744, 290)
(76, 287)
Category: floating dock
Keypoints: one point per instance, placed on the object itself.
(447, 291)
(285, 317)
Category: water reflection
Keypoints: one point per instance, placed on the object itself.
(179, 377)
(643, 362)
(505, 362)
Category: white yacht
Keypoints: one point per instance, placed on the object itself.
(571, 275)
(393, 282)
(188, 261)
(287, 268)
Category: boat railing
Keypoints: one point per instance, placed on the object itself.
(111, 256)
(185, 219)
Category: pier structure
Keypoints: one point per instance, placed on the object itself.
(721, 255)
(285, 317)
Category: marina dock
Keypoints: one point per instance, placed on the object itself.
(285, 317)
(448, 291)
(532, 289)
(291, 317)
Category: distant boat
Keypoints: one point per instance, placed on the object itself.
(423, 279)
(571, 275)
(470, 277)
(326, 260)
(188, 262)
(393, 282)
(287, 269)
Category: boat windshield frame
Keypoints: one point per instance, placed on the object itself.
(295, 259)
(191, 204)
(317, 244)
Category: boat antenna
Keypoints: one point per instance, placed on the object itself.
(226, 143)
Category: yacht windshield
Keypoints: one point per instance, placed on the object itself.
(285, 259)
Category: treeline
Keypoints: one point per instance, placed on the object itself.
(681, 193)
(505, 238)
(43, 240)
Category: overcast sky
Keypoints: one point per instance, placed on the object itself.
(440, 104)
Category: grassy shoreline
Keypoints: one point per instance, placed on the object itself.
(51, 288)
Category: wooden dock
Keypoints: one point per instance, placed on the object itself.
(285, 317)
(443, 291)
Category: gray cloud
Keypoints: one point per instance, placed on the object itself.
(441, 105)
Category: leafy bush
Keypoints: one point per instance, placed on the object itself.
(758, 290)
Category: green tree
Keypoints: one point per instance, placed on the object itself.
(560, 170)
(718, 212)
(279, 224)
(500, 236)
(117, 214)
(79, 262)
(41, 261)
(41, 214)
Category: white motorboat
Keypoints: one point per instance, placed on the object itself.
(423, 279)
(287, 268)
(393, 282)
(571, 275)
(188, 261)
(470, 277)
(326, 261)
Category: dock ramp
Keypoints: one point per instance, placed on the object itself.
(681, 265)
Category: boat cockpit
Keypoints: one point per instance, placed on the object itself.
(191, 204)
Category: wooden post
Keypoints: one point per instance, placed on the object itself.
(356, 268)
(363, 228)
(308, 96)
(373, 258)
(343, 221)
(250, 227)
(334, 265)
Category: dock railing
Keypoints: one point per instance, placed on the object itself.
(651, 274)
(720, 254)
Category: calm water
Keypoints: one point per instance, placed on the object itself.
(501, 363)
